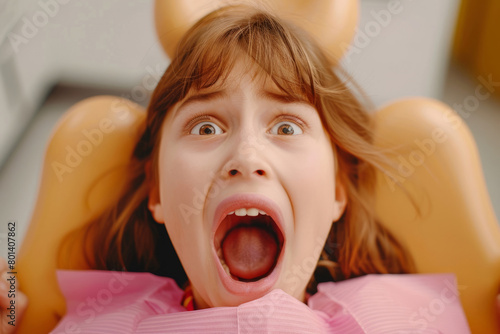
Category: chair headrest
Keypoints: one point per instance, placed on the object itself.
(332, 23)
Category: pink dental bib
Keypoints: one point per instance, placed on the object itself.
(123, 302)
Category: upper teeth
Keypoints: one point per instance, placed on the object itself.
(247, 212)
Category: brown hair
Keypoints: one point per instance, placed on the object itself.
(358, 244)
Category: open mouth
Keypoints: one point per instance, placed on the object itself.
(248, 243)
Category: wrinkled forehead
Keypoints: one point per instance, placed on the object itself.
(247, 71)
(245, 75)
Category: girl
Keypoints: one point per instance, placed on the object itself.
(251, 184)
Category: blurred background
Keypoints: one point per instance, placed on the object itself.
(54, 53)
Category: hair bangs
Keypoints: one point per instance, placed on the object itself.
(275, 52)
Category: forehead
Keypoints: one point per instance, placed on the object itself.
(246, 74)
(261, 87)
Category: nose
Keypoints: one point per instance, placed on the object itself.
(247, 159)
(234, 172)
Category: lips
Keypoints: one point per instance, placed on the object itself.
(237, 219)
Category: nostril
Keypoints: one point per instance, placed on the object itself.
(233, 172)
(260, 172)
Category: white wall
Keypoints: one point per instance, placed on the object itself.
(402, 47)
(99, 43)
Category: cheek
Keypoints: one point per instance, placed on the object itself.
(180, 180)
(313, 195)
(315, 182)
(312, 191)
(183, 182)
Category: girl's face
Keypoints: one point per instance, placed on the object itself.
(245, 145)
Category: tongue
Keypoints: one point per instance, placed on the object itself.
(249, 251)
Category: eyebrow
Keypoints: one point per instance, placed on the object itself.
(221, 94)
(203, 97)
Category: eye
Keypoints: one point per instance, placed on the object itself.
(206, 128)
(286, 128)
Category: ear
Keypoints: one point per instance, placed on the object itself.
(154, 203)
(340, 199)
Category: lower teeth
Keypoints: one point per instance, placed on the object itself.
(226, 269)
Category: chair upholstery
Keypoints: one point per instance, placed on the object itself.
(83, 171)
(332, 23)
(438, 166)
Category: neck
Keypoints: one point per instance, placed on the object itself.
(200, 303)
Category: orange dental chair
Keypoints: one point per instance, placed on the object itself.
(437, 163)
